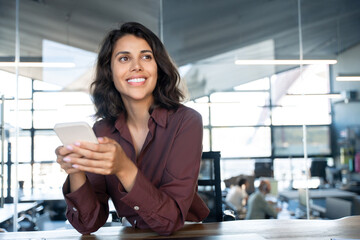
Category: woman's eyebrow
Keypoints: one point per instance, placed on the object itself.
(122, 52)
(145, 51)
(127, 52)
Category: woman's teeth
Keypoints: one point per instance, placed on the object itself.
(136, 80)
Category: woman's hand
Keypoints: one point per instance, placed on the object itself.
(77, 177)
(61, 152)
(104, 158)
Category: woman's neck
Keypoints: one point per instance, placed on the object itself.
(138, 114)
(137, 122)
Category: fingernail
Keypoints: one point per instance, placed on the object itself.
(101, 139)
(75, 166)
(77, 144)
(66, 159)
(69, 147)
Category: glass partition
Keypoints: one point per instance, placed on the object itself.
(294, 116)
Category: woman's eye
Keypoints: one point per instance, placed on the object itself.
(147, 57)
(124, 59)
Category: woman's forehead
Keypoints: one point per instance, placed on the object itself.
(131, 43)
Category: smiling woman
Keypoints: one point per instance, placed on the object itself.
(149, 152)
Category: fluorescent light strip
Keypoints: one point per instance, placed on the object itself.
(327, 95)
(38, 64)
(348, 78)
(283, 62)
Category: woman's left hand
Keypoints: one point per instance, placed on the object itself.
(104, 158)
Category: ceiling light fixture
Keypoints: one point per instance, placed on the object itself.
(284, 62)
(38, 64)
(348, 78)
(327, 95)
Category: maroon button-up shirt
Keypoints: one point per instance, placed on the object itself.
(165, 191)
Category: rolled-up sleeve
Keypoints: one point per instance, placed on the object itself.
(165, 207)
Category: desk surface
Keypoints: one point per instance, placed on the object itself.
(318, 193)
(273, 229)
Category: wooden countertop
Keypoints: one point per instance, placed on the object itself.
(275, 229)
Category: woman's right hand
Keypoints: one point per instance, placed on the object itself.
(62, 152)
(77, 177)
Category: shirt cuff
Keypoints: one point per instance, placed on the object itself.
(78, 201)
(141, 190)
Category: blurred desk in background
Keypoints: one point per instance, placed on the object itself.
(7, 213)
(325, 203)
(318, 193)
(31, 195)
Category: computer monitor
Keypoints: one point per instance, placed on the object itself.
(317, 168)
(263, 169)
(333, 175)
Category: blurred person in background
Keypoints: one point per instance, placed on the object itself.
(237, 196)
(258, 207)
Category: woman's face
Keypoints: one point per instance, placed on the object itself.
(134, 69)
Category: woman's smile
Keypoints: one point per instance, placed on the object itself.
(138, 81)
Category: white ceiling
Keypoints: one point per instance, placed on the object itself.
(194, 31)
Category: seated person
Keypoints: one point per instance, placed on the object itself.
(238, 196)
(258, 207)
(149, 152)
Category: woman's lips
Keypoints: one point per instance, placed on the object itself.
(136, 81)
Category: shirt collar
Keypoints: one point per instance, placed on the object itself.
(159, 115)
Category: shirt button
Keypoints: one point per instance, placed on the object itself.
(74, 209)
(136, 208)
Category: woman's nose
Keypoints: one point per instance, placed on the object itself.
(136, 65)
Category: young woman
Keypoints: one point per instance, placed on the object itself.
(149, 152)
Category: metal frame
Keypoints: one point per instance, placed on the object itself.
(2, 199)
(216, 182)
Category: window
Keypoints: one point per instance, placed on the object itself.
(235, 167)
(262, 120)
(242, 141)
(293, 104)
(53, 107)
(288, 141)
(39, 170)
(45, 143)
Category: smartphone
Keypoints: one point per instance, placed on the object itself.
(71, 132)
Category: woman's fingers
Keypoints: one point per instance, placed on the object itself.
(91, 163)
(62, 151)
(104, 150)
(87, 153)
(102, 158)
(67, 167)
(97, 170)
(105, 145)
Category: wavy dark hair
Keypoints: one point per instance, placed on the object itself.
(107, 99)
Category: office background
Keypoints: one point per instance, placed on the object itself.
(253, 114)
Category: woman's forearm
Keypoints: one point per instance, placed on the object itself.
(76, 180)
